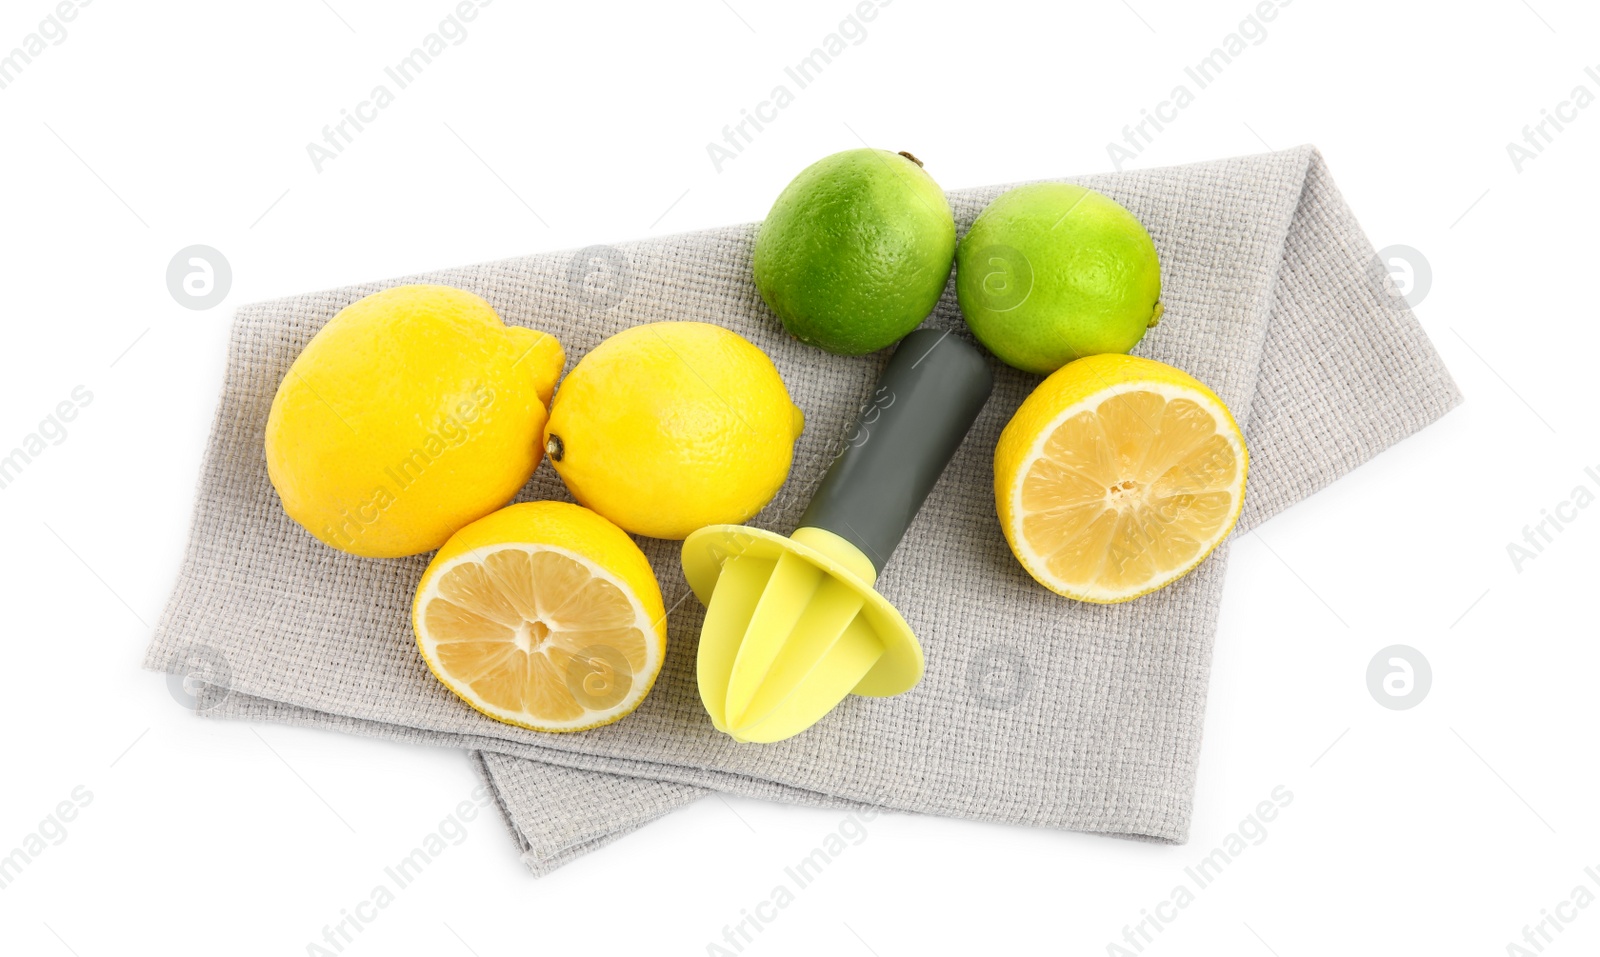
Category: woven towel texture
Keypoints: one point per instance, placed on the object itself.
(1035, 709)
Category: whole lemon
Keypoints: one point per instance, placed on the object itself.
(671, 426)
(412, 413)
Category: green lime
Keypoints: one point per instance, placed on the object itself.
(1050, 273)
(856, 251)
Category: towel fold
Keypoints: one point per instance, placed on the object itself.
(1034, 710)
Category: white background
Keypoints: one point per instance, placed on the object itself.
(154, 126)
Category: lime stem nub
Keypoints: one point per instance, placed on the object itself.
(911, 158)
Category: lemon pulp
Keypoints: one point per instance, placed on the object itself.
(1122, 490)
(537, 634)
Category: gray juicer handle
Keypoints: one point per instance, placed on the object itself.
(927, 398)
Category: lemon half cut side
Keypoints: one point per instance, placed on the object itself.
(1117, 477)
(552, 621)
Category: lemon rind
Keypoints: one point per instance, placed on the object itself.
(1035, 565)
(655, 650)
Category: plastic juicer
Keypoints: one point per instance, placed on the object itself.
(793, 624)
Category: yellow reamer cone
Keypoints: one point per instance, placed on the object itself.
(793, 624)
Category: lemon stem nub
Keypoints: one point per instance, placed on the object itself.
(554, 448)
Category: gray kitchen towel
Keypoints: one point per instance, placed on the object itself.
(1034, 710)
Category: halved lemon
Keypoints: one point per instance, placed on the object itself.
(1118, 476)
(542, 615)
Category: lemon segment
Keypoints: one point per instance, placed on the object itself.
(1118, 476)
(542, 615)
